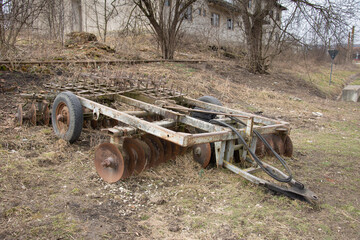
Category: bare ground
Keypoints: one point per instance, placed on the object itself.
(50, 189)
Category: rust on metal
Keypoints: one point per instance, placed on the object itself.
(109, 162)
(167, 150)
(19, 115)
(158, 147)
(32, 114)
(202, 154)
(154, 154)
(62, 117)
(132, 151)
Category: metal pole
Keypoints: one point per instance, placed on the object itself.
(332, 61)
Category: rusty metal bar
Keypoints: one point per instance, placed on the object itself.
(133, 121)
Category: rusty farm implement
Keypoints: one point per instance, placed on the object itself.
(163, 124)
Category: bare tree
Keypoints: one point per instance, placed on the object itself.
(104, 11)
(14, 16)
(166, 17)
(324, 18)
(54, 17)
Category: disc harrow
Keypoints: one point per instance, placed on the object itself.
(135, 155)
(162, 124)
(36, 113)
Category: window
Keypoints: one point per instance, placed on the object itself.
(230, 24)
(188, 13)
(215, 19)
(204, 12)
(199, 10)
(167, 3)
(250, 4)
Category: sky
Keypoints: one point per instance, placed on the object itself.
(301, 28)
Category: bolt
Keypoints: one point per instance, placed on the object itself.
(108, 162)
(197, 151)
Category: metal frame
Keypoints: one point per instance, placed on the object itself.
(153, 99)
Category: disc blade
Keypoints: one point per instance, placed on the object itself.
(147, 152)
(19, 115)
(159, 148)
(32, 114)
(175, 151)
(153, 152)
(136, 154)
(45, 113)
(202, 154)
(109, 162)
(167, 150)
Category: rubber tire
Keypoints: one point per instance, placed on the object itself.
(76, 116)
(206, 116)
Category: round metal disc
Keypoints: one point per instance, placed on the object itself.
(19, 115)
(288, 147)
(175, 151)
(46, 114)
(62, 117)
(109, 162)
(202, 154)
(32, 114)
(159, 147)
(94, 124)
(147, 152)
(136, 155)
(167, 150)
(153, 152)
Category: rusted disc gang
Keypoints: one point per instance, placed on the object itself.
(109, 162)
(19, 115)
(32, 114)
(159, 148)
(147, 152)
(202, 154)
(153, 152)
(46, 113)
(167, 150)
(136, 155)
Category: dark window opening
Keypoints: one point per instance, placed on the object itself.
(230, 24)
(188, 13)
(215, 19)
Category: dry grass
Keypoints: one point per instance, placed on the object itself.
(50, 188)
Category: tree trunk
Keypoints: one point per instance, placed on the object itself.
(254, 43)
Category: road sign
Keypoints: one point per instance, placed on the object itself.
(333, 53)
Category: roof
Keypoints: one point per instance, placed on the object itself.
(226, 5)
(233, 8)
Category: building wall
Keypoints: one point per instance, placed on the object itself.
(201, 27)
(80, 15)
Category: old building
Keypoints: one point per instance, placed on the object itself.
(212, 21)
